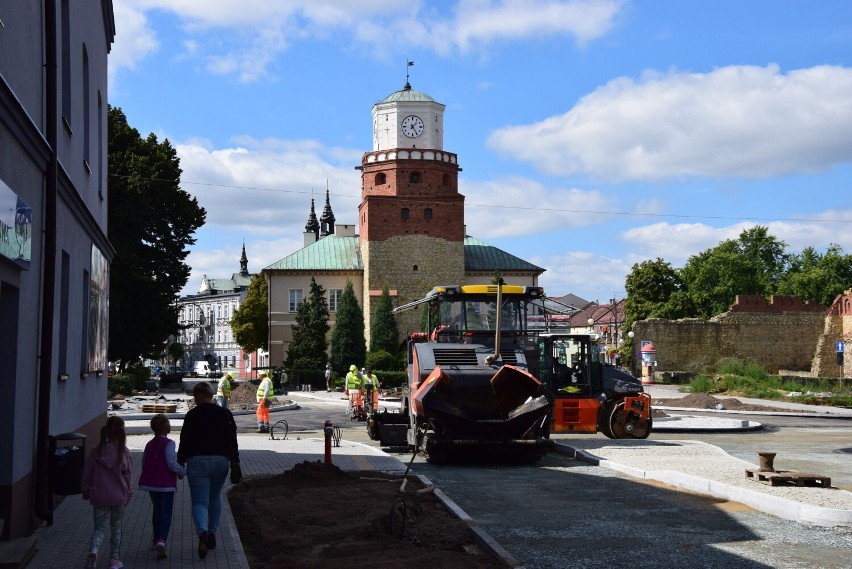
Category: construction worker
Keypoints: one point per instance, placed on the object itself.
(371, 388)
(353, 389)
(328, 376)
(264, 397)
(223, 391)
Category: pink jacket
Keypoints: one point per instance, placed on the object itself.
(106, 477)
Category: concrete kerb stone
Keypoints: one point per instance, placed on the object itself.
(481, 537)
(781, 507)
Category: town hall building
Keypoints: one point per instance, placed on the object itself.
(412, 229)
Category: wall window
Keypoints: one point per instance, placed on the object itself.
(66, 62)
(427, 213)
(295, 299)
(404, 213)
(86, 111)
(334, 299)
(381, 179)
(414, 177)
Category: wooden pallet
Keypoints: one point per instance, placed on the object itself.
(789, 477)
(159, 407)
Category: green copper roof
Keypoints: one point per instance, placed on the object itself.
(331, 253)
(480, 256)
(407, 94)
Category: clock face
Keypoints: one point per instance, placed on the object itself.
(412, 126)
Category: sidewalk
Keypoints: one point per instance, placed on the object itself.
(66, 542)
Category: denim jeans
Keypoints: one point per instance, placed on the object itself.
(161, 519)
(221, 401)
(206, 477)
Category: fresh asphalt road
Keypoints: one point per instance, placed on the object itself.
(565, 513)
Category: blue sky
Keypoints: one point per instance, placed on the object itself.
(593, 134)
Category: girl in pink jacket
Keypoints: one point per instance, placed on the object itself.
(106, 484)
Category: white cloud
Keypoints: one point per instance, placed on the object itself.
(259, 30)
(737, 121)
(265, 186)
(589, 276)
(134, 38)
(496, 208)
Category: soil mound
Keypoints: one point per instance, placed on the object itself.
(316, 515)
(707, 401)
(244, 393)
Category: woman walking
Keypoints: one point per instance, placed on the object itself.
(208, 445)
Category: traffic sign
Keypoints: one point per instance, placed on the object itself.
(838, 347)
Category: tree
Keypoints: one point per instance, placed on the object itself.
(819, 277)
(175, 352)
(250, 322)
(649, 286)
(152, 223)
(384, 334)
(308, 348)
(348, 345)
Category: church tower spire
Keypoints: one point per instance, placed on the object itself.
(244, 262)
(313, 225)
(327, 218)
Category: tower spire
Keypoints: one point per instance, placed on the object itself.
(327, 218)
(313, 225)
(244, 261)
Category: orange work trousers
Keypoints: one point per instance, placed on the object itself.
(262, 413)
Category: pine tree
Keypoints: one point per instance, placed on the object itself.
(384, 334)
(308, 348)
(348, 345)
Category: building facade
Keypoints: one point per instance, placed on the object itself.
(205, 319)
(54, 252)
(412, 230)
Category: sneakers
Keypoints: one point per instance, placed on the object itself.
(115, 564)
(211, 540)
(160, 547)
(202, 545)
(92, 560)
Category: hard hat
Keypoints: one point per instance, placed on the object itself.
(352, 368)
(262, 373)
(230, 374)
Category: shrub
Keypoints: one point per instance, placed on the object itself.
(380, 359)
(702, 384)
(391, 379)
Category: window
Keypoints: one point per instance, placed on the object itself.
(86, 112)
(404, 213)
(66, 62)
(427, 213)
(295, 299)
(414, 177)
(334, 299)
(381, 179)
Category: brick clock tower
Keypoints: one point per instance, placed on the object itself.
(411, 212)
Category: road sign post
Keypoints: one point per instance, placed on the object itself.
(839, 347)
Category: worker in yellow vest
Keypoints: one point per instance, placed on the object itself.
(264, 400)
(371, 388)
(353, 389)
(223, 391)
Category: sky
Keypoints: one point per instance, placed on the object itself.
(592, 134)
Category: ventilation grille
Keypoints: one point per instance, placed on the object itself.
(570, 412)
(455, 357)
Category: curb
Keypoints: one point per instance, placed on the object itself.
(777, 506)
(480, 536)
(812, 415)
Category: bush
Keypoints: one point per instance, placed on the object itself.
(120, 383)
(391, 379)
(380, 359)
(702, 384)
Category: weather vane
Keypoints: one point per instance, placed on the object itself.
(410, 63)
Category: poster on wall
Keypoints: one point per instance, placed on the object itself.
(98, 312)
(16, 222)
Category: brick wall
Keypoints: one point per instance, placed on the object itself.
(783, 334)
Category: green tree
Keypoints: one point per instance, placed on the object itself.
(175, 352)
(250, 322)
(649, 286)
(152, 223)
(384, 334)
(348, 345)
(819, 277)
(308, 348)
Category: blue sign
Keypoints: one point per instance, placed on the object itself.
(838, 347)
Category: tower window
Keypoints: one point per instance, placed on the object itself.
(381, 179)
(414, 177)
(404, 213)
(414, 268)
(427, 213)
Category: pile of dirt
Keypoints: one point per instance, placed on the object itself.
(316, 515)
(707, 401)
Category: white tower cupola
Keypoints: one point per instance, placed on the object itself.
(408, 119)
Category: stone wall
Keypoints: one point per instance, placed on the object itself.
(838, 326)
(783, 336)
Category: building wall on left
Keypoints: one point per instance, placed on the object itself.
(84, 33)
